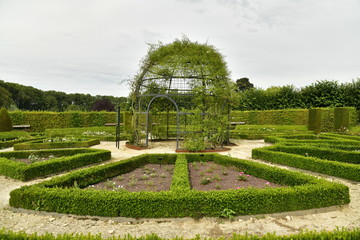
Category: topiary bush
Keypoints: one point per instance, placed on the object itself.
(5, 121)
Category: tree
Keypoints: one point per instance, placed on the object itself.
(243, 84)
(103, 104)
(5, 97)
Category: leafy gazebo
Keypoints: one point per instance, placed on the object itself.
(191, 79)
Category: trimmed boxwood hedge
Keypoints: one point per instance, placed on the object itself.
(60, 195)
(8, 139)
(331, 154)
(66, 159)
(51, 145)
(103, 133)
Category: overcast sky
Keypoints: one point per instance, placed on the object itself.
(92, 46)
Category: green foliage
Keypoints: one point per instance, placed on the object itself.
(322, 94)
(180, 180)
(31, 99)
(5, 98)
(271, 117)
(314, 154)
(205, 86)
(344, 234)
(58, 195)
(5, 121)
(315, 120)
(101, 133)
(65, 159)
(56, 143)
(344, 118)
(262, 131)
(39, 121)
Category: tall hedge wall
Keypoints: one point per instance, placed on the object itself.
(272, 117)
(332, 119)
(39, 121)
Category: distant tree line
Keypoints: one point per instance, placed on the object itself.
(320, 94)
(17, 96)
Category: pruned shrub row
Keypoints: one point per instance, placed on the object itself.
(272, 117)
(285, 155)
(51, 145)
(59, 195)
(65, 159)
(39, 121)
(262, 131)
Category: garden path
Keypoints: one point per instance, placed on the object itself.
(281, 223)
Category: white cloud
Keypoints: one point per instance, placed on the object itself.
(91, 46)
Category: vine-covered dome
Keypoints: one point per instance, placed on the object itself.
(182, 67)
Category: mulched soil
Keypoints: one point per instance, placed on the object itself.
(150, 177)
(204, 176)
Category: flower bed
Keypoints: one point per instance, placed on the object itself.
(52, 143)
(69, 193)
(58, 161)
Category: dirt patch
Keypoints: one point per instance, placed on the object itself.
(150, 177)
(206, 176)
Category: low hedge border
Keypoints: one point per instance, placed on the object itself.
(51, 145)
(59, 195)
(312, 139)
(279, 154)
(67, 159)
(344, 234)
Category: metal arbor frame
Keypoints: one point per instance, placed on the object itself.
(148, 116)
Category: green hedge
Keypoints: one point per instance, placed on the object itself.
(279, 154)
(272, 117)
(8, 139)
(66, 159)
(58, 195)
(102, 133)
(344, 234)
(48, 144)
(39, 121)
(261, 131)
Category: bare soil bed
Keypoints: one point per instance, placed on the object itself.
(206, 176)
(150, 177)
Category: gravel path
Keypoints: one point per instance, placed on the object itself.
(282, 223)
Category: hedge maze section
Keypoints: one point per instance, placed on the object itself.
(69, 193)
(330, 154)
(64, 160)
